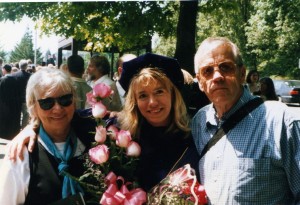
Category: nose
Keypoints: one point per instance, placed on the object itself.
(57, 106)
(217, 74)
(152, 100)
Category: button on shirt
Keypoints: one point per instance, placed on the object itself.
(257, 162)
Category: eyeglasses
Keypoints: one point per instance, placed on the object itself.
(225, 68)
(48, 103)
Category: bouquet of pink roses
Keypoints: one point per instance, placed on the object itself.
(178, 188)
(111, 161)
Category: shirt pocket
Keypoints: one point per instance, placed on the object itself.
(250, 179)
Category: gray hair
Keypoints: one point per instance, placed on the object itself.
(217, 41)
(23, 64)
(43, 83)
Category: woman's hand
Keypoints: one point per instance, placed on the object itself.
(15, 147)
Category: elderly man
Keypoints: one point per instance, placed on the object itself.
(254, 157)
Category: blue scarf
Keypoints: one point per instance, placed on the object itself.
(70, 187)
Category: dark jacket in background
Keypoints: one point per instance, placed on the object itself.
(10, 107)
(22, 78)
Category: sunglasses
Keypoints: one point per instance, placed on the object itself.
(225, 68)
(48, 103)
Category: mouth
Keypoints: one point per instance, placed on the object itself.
(57, 117)
(218, 89)
(155, 111)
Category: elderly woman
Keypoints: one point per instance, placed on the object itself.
(40, 178)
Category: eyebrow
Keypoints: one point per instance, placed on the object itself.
(158, 88)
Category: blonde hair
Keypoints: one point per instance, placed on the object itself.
(130, 118)
(43, 83)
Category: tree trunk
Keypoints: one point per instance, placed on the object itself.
(186, 33)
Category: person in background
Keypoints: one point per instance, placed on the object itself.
(193, 97)
(75, 67)
(258, 160)
(253, 81)
(22, 78)
(1, 62)
(10, 107)
(267, 89)
(39, 178)
(6, 69)
(63, 67)
(124, 58)
(98, 71)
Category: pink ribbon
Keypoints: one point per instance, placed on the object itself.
(113, 196)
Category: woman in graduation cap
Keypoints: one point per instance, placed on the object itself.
(155, 114)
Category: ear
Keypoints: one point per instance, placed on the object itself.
(120, 69)
(243, 74)
(200, 83)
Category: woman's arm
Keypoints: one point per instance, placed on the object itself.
(14, 180)
(15, 147)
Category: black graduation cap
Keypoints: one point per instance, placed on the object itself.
(169, 66)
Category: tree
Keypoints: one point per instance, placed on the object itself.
(186, 34)
(121, 24)
(102, 24)
(274, 35)
(227, 19)
(2, 54)
(24, 50)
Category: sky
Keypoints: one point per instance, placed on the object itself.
(12, 33)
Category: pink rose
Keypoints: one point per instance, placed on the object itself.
(90, 98)
(99, 154)
(123, 138)
(102, 90)
(133, 149)
(99, 110)
(112, 131)
(100, 135)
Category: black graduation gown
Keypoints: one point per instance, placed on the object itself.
(160, 152)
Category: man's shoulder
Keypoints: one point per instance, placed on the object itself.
(280, 110)
(21, 74)
(202, 113)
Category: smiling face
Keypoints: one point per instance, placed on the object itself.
(223, 82)
(58, 118)
(154, 103)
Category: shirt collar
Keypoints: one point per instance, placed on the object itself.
(100, 80)
(120, 89)
(77, 79)
(211, 117)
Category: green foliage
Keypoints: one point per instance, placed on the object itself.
(224, 18)
(266, 31)
(274, 37)
(165, 46)
(3, 54)
(102, 24)
(24, 50)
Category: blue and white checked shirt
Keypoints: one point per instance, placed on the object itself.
(257, 162)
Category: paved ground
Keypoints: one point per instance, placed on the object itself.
(3, 143)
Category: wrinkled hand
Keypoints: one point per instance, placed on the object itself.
(15, 147)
